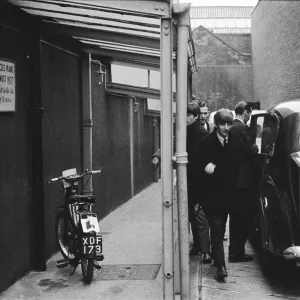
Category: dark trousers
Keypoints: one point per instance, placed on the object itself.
(217, 222)
(199, 222)
(241, 212)
(200, 229)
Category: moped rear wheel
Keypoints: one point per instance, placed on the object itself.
(65, 243)
(87, 267)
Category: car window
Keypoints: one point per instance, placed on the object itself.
(265, 132)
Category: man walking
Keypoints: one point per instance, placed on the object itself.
(213, 161)
(199, 223)
(242, 164)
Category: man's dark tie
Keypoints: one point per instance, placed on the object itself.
(225, 142)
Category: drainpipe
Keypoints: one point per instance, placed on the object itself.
(131, 139)
(181, 154)
(166, 70)
(87, 121)
(156, 144)
(38, 208)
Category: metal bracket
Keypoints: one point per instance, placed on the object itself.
(168, 203)
(181, 158)
(87, 123)
(169, 275)
(37, 110)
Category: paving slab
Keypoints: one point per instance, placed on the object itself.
(246, 281)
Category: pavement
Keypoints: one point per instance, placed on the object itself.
(248, 281)
(132, 268)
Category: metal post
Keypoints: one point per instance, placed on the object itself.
(181, 154)
(189, 86)
(166, 70)
(87, 121)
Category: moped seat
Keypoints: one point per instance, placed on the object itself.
(83, 198)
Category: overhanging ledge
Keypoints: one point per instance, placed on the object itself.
(129, 90)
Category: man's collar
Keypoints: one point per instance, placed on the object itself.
(205, 125)
(221, 139)
(239, 120)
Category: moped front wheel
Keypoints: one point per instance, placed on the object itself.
(87, 267)
(65, 239)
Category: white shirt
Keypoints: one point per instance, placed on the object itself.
(206, 126)
(221, 139)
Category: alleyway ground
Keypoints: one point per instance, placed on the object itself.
(132, 268)
(246, 281)
(132, 245)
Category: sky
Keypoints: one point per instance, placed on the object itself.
(221, 2)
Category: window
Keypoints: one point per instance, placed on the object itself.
(129, 75)
(265, 128)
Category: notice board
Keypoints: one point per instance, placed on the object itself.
(7, 85)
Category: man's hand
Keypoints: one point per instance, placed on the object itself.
(254, 148)
(155, 162)
(210, 168)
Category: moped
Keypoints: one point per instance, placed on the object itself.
(76, 228)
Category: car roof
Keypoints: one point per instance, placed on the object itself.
(287, 108)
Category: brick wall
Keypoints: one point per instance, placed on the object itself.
(275, 52)
(224, 75)
(240, 42)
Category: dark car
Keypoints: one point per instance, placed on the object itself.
(277, 218)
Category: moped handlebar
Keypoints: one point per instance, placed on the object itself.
(74, 177)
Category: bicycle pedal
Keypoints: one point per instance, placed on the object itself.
(62, 263)
(99, 257)
(96, 265)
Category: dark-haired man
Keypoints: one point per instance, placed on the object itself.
(199, 223)
(213, 162)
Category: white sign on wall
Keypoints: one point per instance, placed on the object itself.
(7, 85)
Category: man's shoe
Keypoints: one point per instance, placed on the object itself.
(206, 259)
(240, 258)
(194, 251)
(221, 273)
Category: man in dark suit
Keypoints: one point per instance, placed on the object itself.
(214, 181)
(199, 223)
(243, 183)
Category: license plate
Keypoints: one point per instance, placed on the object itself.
(91, 245)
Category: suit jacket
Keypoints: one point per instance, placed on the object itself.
(195, 132)
(210, 127)
(242, 156)
(214, 188)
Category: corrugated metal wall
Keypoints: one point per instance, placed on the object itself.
(61, 127)
(143, 148)
(111, 149)
(16, 163)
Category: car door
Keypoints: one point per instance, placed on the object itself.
(271, 211)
